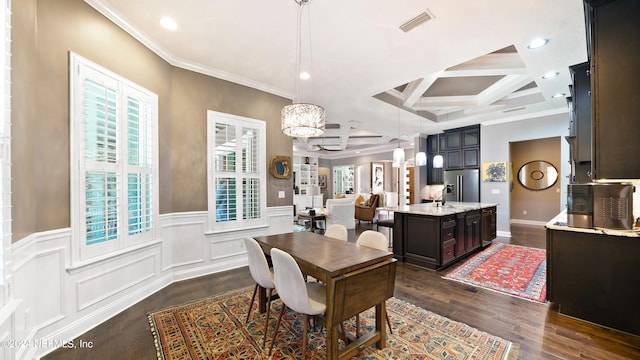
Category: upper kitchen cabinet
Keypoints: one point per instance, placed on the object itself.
(614, 50)
(580, 123)
(462, 148)
(434, 175)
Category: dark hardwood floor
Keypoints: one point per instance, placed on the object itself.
(540, 332)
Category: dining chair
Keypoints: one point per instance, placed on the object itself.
(337, 231)
(376, 240)
(307, 298)
(262, 275)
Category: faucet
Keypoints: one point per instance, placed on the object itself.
(446, 189)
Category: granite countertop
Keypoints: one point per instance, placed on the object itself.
(435, 209)
(560, 223)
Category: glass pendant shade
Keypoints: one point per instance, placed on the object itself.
(421, 159)
(438, 161)
(303, 120)
(398, 157)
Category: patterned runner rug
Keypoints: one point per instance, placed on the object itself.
(214, 328)
(511, 269)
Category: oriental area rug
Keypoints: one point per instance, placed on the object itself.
(510, 269)
(214, 328)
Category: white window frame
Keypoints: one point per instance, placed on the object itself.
(5, 150)
(214, 118)
(80, 70)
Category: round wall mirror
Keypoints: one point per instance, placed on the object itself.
(537, 175)
(280, 167)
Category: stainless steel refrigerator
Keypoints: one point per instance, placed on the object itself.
(464, 185)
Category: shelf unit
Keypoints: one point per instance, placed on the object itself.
(306, 171)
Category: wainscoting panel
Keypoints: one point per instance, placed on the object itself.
(108, 283)
(77, 299)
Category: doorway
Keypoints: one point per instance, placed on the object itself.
(529, 206)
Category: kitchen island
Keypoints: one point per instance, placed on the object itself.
(435, 236)
(594, 274)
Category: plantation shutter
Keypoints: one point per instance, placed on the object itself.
(114, 144)
(237, 171)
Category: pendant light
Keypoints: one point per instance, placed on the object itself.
(398, 153)
(300, 119)
(421, 156)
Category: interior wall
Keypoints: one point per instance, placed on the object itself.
(494, 146)
(531, 205)
(43, 33)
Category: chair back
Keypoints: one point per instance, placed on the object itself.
(258, 266)
(289, 282)
(337, 231)
(373, 239)
(373, 200)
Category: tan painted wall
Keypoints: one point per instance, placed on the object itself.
(43, 33)
(540, 205)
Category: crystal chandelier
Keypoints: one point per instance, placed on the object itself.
(300, 119)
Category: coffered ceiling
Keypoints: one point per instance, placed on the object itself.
(379, 84)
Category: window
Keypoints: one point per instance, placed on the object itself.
(114, 144)
(236, 171)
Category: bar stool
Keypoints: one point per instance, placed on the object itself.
(388, 223)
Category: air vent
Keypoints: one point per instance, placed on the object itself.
(416, 21)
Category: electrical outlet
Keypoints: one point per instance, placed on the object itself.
(281, 194)
(524, 212)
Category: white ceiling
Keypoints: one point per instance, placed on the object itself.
(469, 64)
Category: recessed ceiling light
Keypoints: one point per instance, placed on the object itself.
(558, 95)
(537, 43)
(305, 75)
(550, 74)
(168, 23)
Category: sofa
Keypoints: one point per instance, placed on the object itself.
(340, 211)
(367, 210)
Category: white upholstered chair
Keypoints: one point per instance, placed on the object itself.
(300, 296)
(376, 240)
(341, 211)
(337, 231)
(262, 275)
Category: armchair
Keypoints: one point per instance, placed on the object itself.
(367, 212)
(340, 211)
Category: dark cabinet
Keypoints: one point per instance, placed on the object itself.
(471, 137)
(594, 277)
(438, 241)
(462, 148)
(434, 175)
(452, 140)
(453, 160)
(471, 158)
(614, 49)
(489, 228)
(473, 234)
(580, 123)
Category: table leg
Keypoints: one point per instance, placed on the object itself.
(381, 316)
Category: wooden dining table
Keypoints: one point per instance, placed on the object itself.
(357, 278)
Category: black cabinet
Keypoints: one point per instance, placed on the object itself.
(489, 228)
(453, 160)
(438, 241)
(594, 277)
(434, 175)
(462, 148)
(473, 233)
(581, 103)
(580, 123)
(614, 50)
